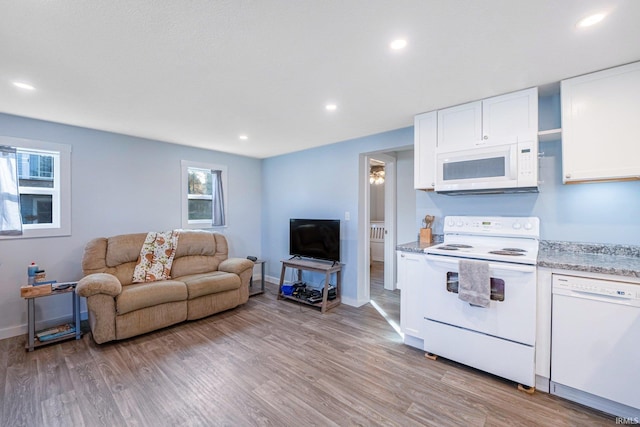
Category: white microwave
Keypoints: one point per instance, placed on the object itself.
(501, 168)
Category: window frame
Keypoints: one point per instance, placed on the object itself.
(202, 223)
(61, 201)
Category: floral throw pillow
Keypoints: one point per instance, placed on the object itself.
(156, 257)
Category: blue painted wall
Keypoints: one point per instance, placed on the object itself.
(323, 183)
(594, 212)
(114, 192)
(119, 184)
(318, 183)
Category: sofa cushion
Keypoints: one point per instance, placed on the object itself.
(210, 283)
(141, 295)
(198, 252)
(124, 248)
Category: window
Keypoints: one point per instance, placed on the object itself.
(204, 192)
(44, 186)
(39, 188)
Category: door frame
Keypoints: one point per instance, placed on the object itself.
(364, 214)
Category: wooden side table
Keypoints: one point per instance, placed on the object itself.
(32, 342)
(320, 267)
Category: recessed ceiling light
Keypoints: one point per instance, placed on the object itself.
(590, 20)
(22, 85)
(398, 44)
(331, 107)
(243, 137)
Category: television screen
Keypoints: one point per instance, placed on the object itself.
(315, 238)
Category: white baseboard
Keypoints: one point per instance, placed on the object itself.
(414, 341)
(353, 302)
(271, 279)
(14, 331)
(542, 384)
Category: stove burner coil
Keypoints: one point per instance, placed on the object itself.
(507, 252)
(514, 249)
(454, 246)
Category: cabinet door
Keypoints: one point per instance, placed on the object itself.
(412, 271)
(425, 142)
(460, 125)
(600, 131)
(511, 118)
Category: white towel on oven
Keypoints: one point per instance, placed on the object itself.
(474, 283)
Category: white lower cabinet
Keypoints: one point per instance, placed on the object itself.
(411, 277)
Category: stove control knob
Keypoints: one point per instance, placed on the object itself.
(516, 226)
(450, 223)
(459, 224)
(528, 226)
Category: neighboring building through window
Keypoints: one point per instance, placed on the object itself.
(204, 192)
(44, 185)
(39, 187)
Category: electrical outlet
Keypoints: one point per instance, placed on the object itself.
(347, 216)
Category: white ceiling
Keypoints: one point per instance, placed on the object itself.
(202, 72)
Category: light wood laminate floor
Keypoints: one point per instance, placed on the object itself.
(388, 301)
(268, 363)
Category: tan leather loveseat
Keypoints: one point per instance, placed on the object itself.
(203, 281)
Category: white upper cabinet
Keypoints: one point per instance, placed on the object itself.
(506, 118)
(601, 125)
(425, 142)
(460, 125)
(511, 118)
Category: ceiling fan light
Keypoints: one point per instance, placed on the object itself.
(376, 174)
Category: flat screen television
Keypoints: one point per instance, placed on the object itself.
(315, 238)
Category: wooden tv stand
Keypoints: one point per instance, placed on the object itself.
(320, 267)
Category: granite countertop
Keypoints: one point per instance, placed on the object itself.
(414, 247)
(618, 260)
(419, 247)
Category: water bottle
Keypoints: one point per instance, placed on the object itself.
(31, 272)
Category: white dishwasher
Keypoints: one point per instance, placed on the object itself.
(595, 344)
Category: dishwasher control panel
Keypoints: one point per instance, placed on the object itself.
(596, 287)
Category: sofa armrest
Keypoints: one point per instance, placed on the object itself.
(99, 283)
(236, 265)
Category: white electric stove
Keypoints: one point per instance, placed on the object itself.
(500, 338)
(505, 239)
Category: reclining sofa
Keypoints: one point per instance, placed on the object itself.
(203, 281)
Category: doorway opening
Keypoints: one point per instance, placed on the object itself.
(377, 280)
(384, 297)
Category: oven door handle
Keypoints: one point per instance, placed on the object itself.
(440, 259)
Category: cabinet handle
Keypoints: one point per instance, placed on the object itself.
(486, 137)
(568, 176)
(401, 255)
